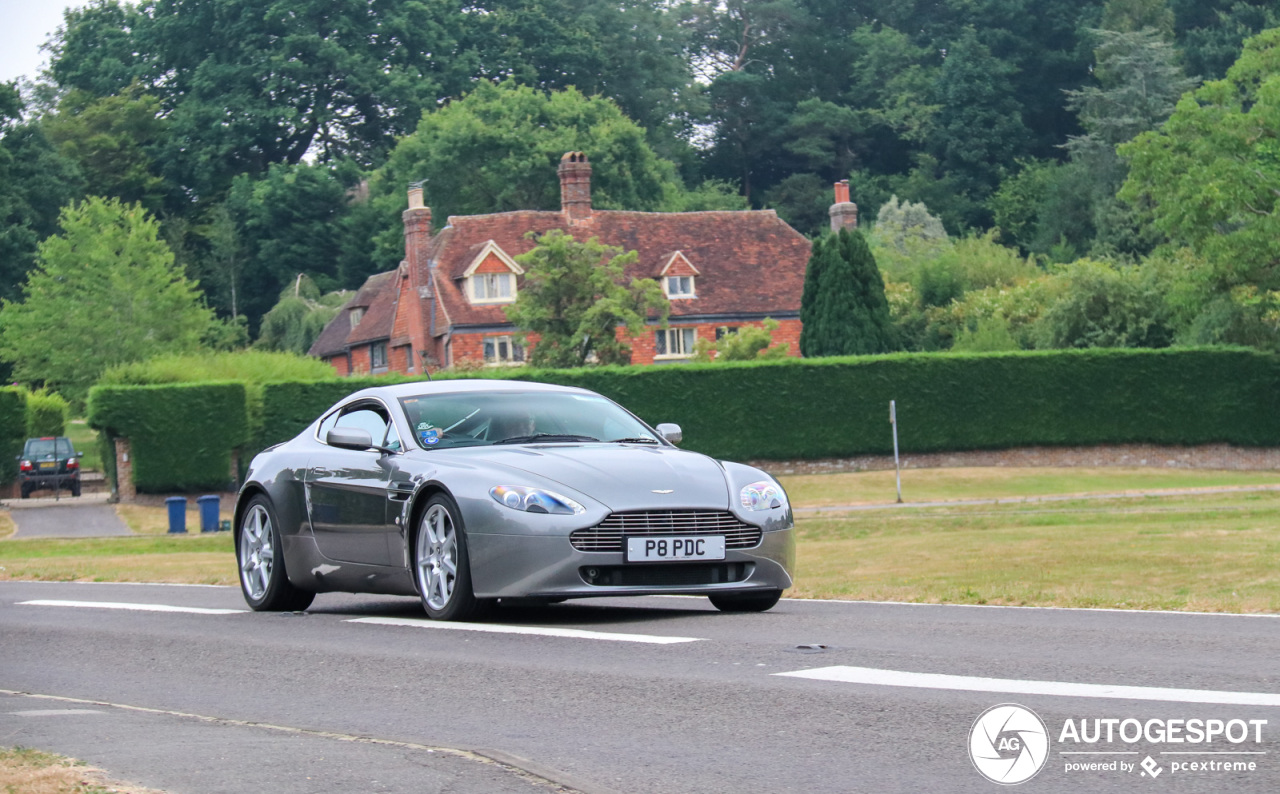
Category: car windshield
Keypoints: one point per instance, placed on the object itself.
(44, 447)
(468, 419)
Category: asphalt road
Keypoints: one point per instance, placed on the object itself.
(634, 695)
(87, 516)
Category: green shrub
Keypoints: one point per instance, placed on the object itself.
(833, 407)
(13, 430)
(47, 414)
(181, 435)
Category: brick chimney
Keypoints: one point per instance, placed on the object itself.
(844, 213)
(417, 241)
(575, 187)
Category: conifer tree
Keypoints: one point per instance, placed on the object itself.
(843, 308)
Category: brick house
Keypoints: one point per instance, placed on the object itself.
(444, 303)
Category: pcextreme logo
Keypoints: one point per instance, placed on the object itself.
(1008, 744)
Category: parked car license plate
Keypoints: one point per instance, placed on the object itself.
(668, 548)
(48, 464)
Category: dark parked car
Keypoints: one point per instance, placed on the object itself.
(50, 463)
(465, 492)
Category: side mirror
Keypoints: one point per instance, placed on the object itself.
(349, 438)
(670, 432)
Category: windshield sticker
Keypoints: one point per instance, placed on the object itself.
(425, 426)
(429, 437)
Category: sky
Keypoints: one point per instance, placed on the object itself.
(24, 26)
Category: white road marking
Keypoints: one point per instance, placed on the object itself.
(868, 675)
(496, 628)
(54, 712)
(134, 607)
(1273, 615)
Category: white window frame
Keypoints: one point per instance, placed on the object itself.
(684, 337)
(374, 347)
(675, 292)
(356, 314)
(515, 351)
(480, 293)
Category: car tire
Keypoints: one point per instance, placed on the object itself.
(26, 492)
(442, 565)
(746, 602)
(263, 579)
(75, 488)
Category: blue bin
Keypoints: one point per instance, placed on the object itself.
(177, 506)
(209, 512)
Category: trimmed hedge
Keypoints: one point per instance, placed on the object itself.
(181, 435)
(13, 431)
(46, 415)
(835, 407)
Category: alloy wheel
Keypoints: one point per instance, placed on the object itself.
(257, 556)
(437, 554)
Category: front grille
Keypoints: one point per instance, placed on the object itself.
(666, 575)
(608, 534)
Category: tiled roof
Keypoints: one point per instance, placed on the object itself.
(378, 296)
(749, 262)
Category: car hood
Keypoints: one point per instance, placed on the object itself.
(623, 476)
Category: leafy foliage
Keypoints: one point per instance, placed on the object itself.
(13, 430)
(297, 319)
(843, 308)
(747, 343)
(47, 414)
(105, 292)
(574, 297)
(182, 435)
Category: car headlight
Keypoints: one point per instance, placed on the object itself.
(535, 500)
(762, 495)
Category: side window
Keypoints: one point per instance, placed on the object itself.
(365, 418)
(392, 441)
(329, 423)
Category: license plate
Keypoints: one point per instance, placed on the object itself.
(666, 549)
(48, 465)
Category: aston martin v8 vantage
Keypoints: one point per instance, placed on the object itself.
(465, 492)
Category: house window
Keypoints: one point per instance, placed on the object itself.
(502, 350)
(679, 286)
(725, 330)
(674, 343)
(493, 287)
(378, 355)
(357, 314)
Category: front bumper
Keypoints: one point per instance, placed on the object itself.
(517, 566)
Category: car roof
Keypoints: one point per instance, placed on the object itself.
(453, 386)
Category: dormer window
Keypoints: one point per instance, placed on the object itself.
(493, 287)
(679, 286)
(677, 277)
(491, 276)
(357, 314)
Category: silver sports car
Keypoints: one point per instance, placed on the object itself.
(468, 491)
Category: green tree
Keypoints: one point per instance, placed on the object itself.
(497, 150)
(1210, 33)
(105, 292)
(297, 319)
(574, 297)
(843, 309)
(113, 139)
(1212, 173)
(35, 180)
(1105, 306)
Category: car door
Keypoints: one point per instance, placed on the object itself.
(347, 491)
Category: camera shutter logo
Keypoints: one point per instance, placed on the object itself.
(1008, 744)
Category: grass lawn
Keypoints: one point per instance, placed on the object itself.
(1210, 552)
(35, 772)
(85, 439)
(936, 485)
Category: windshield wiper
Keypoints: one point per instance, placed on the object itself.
(641, 440)
(544, 437)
